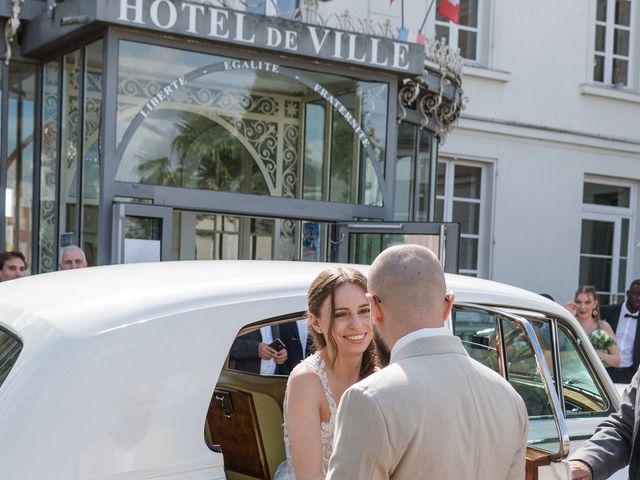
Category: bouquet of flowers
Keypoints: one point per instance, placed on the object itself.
(601, 340)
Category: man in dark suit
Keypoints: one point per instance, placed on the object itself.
(251, 352)
(623, 318)
(615, 443)
(298, 343)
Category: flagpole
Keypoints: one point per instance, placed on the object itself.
(426, 15)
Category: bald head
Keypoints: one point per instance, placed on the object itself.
(409, 281)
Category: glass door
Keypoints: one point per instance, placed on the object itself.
(141, 233)
(360, 242)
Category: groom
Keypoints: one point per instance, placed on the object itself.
(433, 413)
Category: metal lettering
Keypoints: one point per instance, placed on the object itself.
(193, 10)
(337, 51)
(240, 17)
(291, 40)
(217, 19)
(274, 37)
(352, 50)
(400, 51)
(173, 14)
(317, 43)
(375, 42)
(137, 8)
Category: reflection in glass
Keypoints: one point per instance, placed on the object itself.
(253, 119)
(467, 43)
(620, 71)
(601, 11)
(143, 228)
(597, 237)
(582, 394)
(600, 38)
(91, 151)
(20, 158)
(313, 183)
(48, 166)
(364, 247)
(469, 13)
(467, 181)
(623, 12)
(468, 214)
(69, 149)
(405, 163)
(477, 331)
(598, 68)
(343, 155)
(468, 253)
(210, 236)
(423, 178)
(621, 42)
(188, 150)
(523, 372)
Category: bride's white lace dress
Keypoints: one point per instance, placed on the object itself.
(327, 429)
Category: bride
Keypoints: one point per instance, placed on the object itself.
(338, 314)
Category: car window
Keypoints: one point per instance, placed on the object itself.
(495, 340)
(291, 336)
(477, 330)
(522, 371)
(10, 348)
(582, 393)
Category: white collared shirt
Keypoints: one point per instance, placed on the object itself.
(626, 336)
(267, 367)
(422, 333)
(303, 331)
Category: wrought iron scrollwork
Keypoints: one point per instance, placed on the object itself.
(441, 106)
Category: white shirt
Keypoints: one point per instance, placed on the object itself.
(267, 367)
(626, 336)
(422, 333)
(303, 331)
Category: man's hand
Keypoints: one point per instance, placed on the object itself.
(281, 356)
(265, 352)
(580, 470)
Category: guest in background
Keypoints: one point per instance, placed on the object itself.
(252, 352)
(12, 265)
(624, 319)
(586, 308)
(297, 341)
(71, 257)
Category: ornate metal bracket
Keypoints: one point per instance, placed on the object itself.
(442, 105)
(11, 28)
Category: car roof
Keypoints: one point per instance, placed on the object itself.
(102, 297)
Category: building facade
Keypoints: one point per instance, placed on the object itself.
(175, 130)
(543, 167)
(145, 129)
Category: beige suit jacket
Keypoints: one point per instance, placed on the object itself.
(433, 413)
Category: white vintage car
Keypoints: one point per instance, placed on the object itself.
(121, 372)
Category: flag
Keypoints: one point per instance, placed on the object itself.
(410, 36)
(450, 9)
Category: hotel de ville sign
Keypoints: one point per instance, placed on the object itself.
(202, 20)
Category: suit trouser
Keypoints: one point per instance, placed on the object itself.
(621, 375)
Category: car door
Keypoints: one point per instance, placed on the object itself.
(509, 344)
